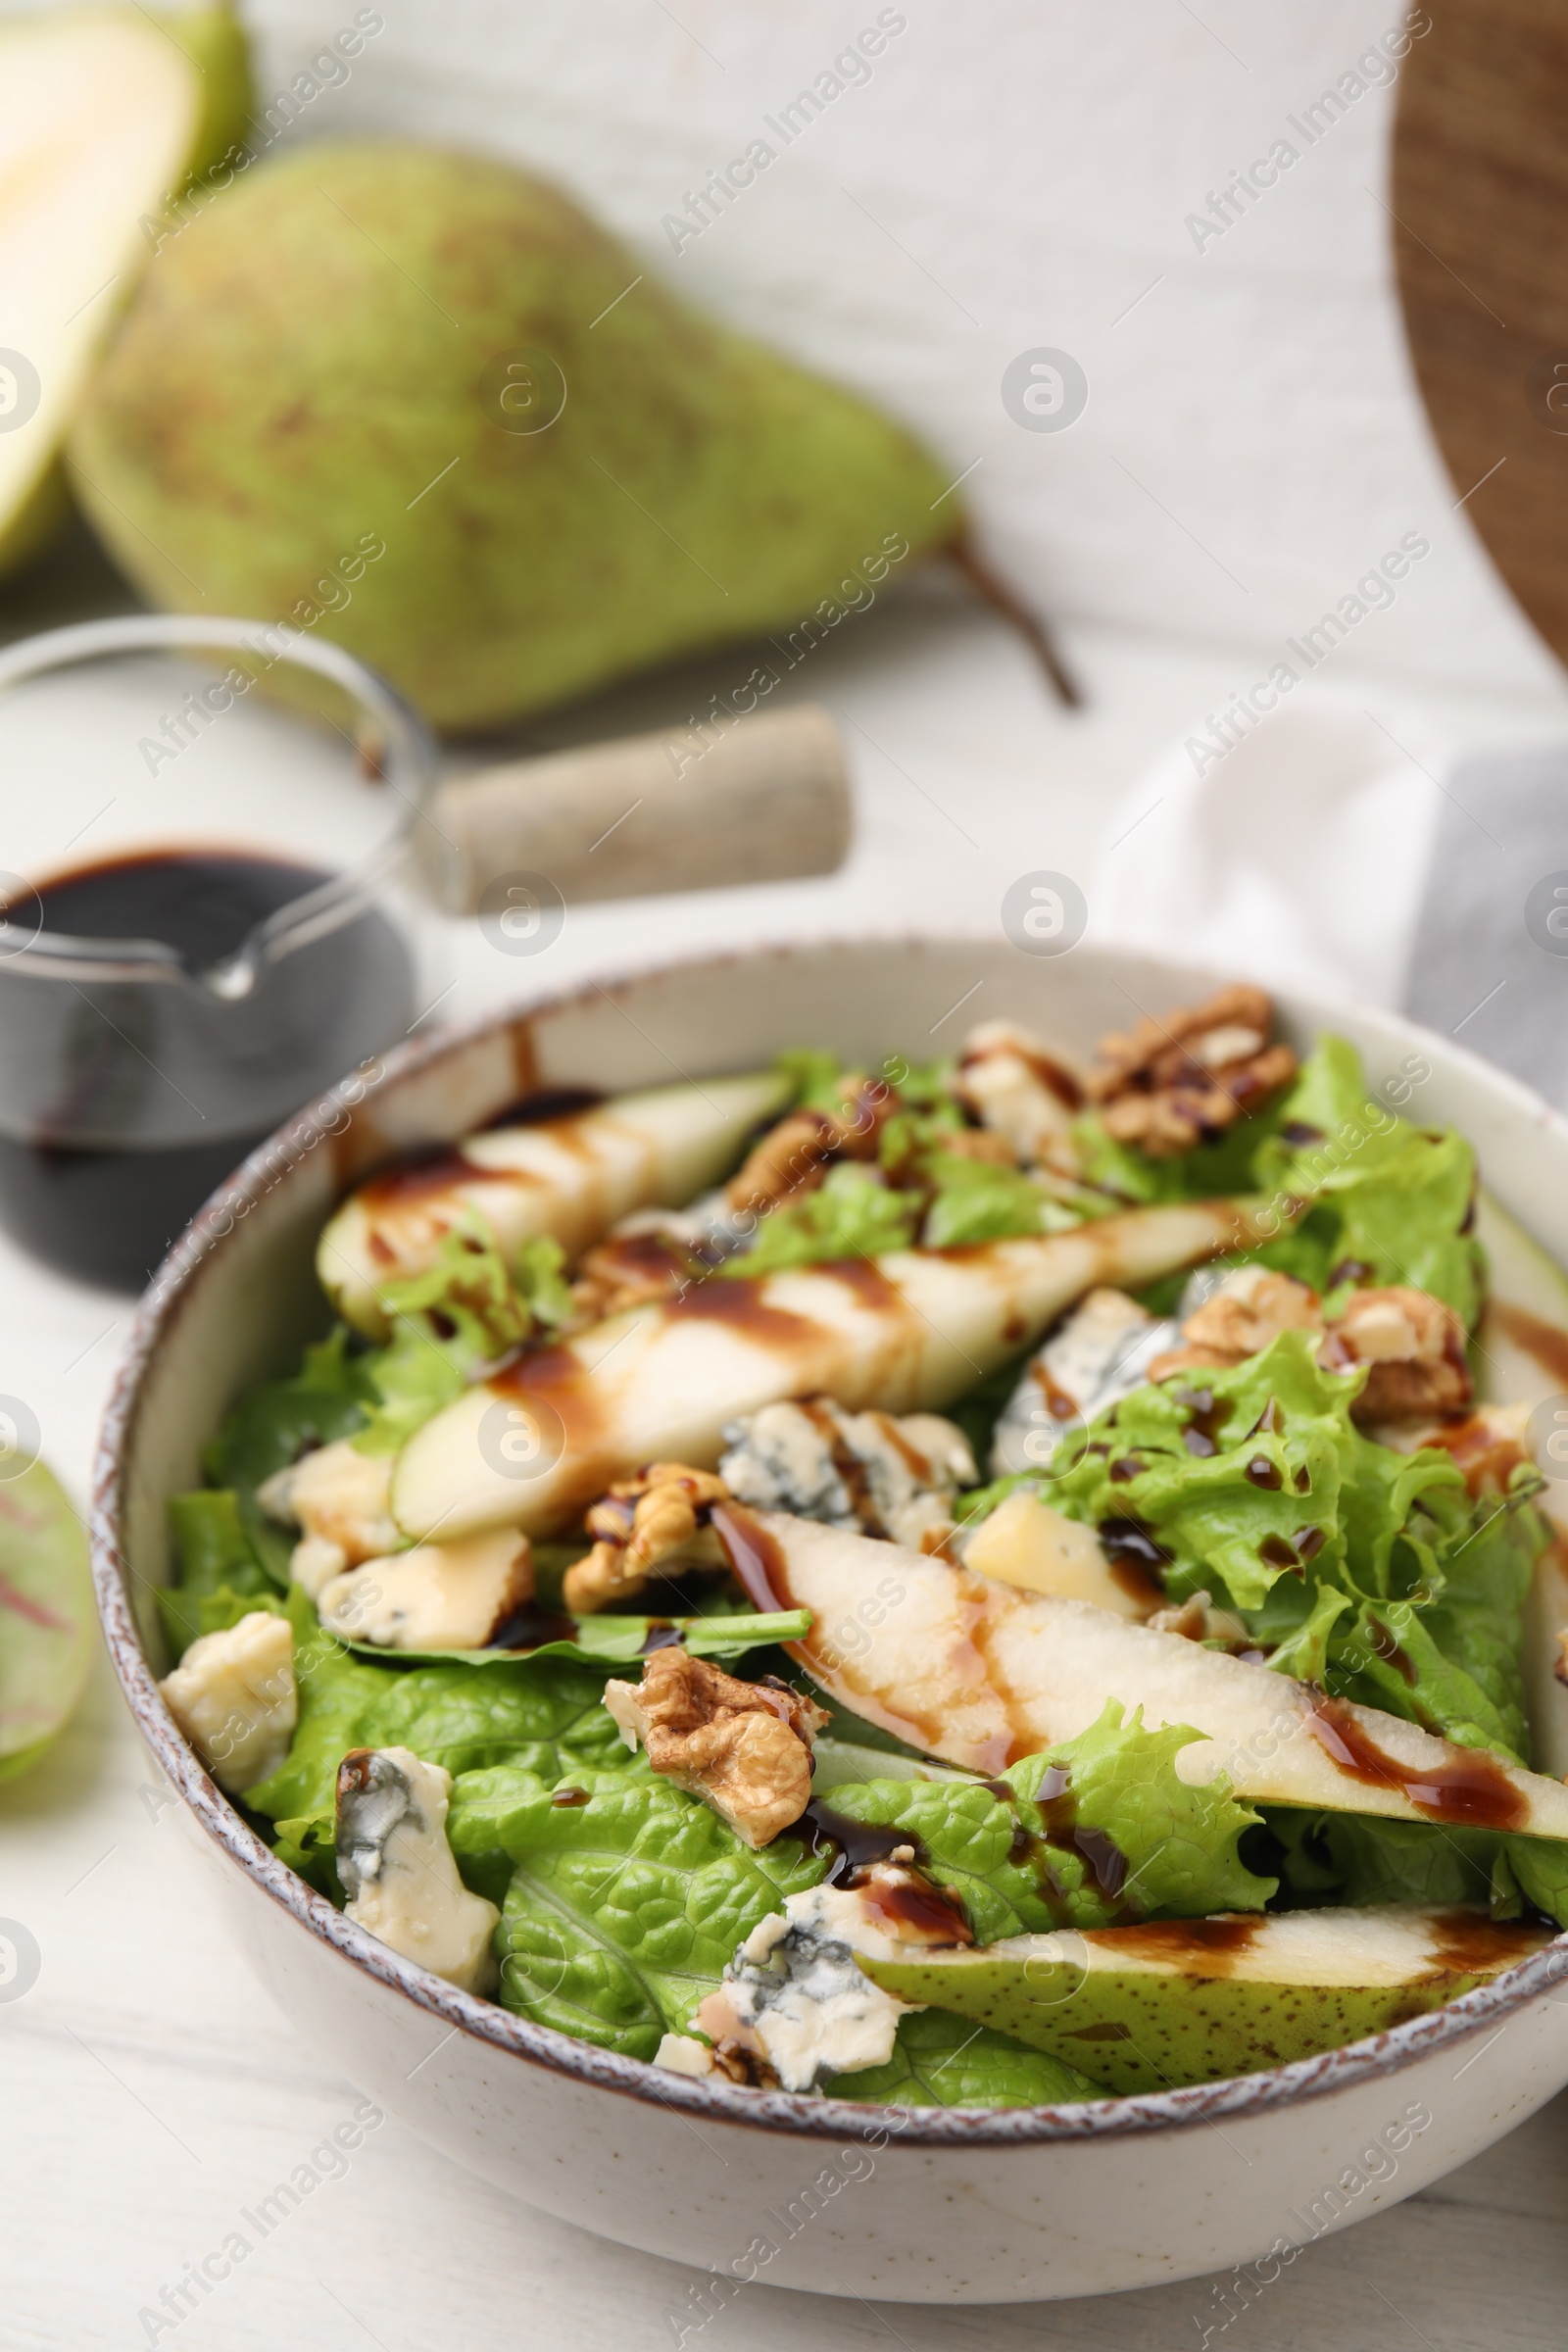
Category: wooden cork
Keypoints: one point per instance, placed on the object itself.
(762, 800)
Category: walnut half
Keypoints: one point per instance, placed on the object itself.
(644, 1523)
(1167, 1085)
(1414, 1346)
(1244, 1315)
(745, 1749)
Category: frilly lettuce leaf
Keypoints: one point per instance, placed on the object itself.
(1207, 1508)
(942, 2061)
(850, 1214)
(1381, 1193)
(1388, 1197)
(1405, 1593)
(976, 1200)
(461, 1312)
(1118, 1835)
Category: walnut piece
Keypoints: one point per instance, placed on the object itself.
(1240, 1318)
(792, 1157)
(642, 1524)
(745, 1749)
(1169, 1084)
(1415, 1346)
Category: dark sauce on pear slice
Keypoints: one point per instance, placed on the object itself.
(1198, 1948)
(1472, 1946)
(1469, 1787)
(542, 1102)
(427, 1168)
(1544, 1340)
(1135, 1557)
(755, 1556)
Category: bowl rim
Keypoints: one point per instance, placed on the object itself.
(800, 2114)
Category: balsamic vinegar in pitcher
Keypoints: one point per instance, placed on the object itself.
(128, 1092)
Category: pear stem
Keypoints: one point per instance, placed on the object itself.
(993, 589)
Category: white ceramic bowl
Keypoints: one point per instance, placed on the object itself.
(924, 2205)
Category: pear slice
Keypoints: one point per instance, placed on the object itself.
(1198, 2000)
(570, 1177)
(980, 1674)
(903, 1333)
(101, 114)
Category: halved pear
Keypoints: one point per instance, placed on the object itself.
(569, 1177)
(903, 1333)
(1198, 2000)
(103, 113)
(980, 1674)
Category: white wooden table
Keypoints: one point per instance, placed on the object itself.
(149, 2092)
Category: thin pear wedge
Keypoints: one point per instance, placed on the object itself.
(909, 1331)
(569, 1177)
(1199, 2000)
(980, 1674)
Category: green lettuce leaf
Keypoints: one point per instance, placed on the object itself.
(850, 1214)
(1206, 1173)
(412, 1377)
(1358, 1859)
(818, 1077)
(1389, 1199)
(1383, 1196)
(269, 1429)
(1277, 1417)
(1095, 1831)
(543, 1716)
(1369, 1572)
(625, 1905)
(309, 1847)
(974, 1200)
(615, 1641)
(221, 1579)
(944, 2061)
(458, 1314)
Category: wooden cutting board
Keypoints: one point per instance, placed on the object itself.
(1480, 198)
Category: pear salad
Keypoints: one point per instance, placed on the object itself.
(980, 1585)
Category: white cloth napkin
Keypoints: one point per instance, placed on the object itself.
(1339, 846)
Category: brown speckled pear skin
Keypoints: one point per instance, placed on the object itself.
(299, 386)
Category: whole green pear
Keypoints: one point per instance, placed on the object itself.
(419, 401)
